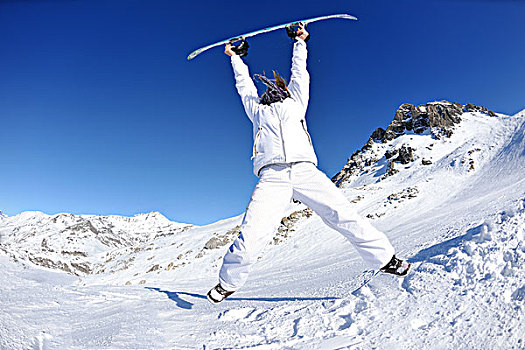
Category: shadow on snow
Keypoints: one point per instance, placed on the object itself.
(184, 304)
(442, 248)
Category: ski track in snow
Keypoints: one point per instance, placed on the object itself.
(464, 234)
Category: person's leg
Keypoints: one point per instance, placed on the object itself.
(263, 215)
(314, 189)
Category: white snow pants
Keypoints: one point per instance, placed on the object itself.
(278, 184)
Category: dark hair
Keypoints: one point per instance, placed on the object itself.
(276, 91)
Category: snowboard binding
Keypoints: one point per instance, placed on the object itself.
(242, 48)
(291, 30)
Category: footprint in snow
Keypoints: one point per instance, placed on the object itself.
(236, 314)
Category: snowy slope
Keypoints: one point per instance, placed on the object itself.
(459, 217)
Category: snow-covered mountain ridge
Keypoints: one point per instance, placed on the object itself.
(76, 243)
(444, 181)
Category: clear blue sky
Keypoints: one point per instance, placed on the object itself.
(100, 113)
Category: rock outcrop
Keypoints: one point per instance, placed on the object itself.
(438, 118)
(405, 155)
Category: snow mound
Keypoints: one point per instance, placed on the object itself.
(480, 281)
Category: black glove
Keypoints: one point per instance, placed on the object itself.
(292, 33)
(242, 48)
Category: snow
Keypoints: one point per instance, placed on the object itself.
(462, 227)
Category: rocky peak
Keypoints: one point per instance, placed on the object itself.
(438, 118)
(2, 215)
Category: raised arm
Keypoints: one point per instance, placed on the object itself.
(299, 85)
(244, 83)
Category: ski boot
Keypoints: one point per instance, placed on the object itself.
(396, 267)
(218, 294)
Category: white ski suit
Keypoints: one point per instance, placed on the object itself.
(285, 161)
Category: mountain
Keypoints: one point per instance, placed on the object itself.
(435, 119)
(78, 244)
(444, 181)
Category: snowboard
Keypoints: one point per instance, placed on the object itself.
(266, 30)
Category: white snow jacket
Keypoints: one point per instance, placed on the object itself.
(279, 130)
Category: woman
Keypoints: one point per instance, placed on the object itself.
(285, 162)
